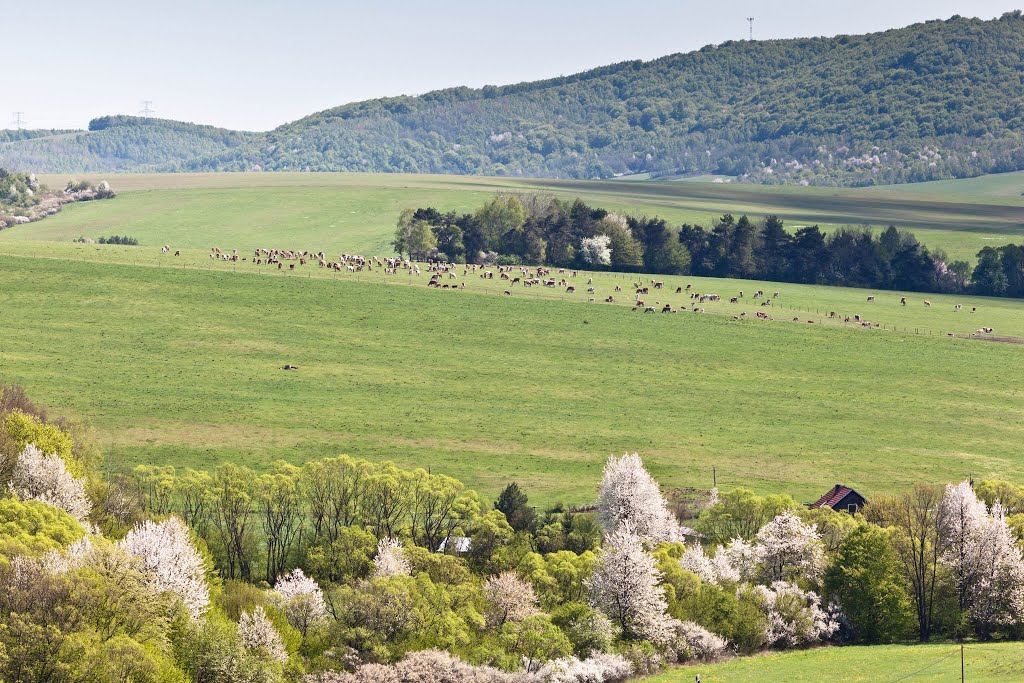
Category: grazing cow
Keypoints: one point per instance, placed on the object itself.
(903, 301)
(618, 289)
(679, 290)
(659, 285)
(570, 290)
(590, 290)
(775, 295)
(610, 300)
(508, 293)
(957, 308)
(734, 300)
(927, 304)
(871, 298)
(974, 309)
(177, 252)
(667, 308)
(649, 309)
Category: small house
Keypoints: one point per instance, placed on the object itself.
(841, 498)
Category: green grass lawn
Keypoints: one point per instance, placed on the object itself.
(182, 366)
(357, 212)
(983, 663)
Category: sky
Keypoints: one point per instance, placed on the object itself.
(254, 64)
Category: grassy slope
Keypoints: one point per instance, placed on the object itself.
(986, 663)
(356, 212)
(181, 366)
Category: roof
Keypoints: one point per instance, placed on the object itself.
(834, 496)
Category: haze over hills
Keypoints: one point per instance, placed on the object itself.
(929, 101)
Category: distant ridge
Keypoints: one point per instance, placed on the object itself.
(930, 101)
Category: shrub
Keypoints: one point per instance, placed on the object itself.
(694, 642)
(434, 666)
(598, 668)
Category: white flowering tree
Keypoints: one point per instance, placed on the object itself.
(509, 599)
(695, 560)
(596, 251)
(45, 478)
(301, 599)
(171, 560)
(787, 549)
(259, 635)
(735, 561)
(72, 557)
(998, 592)
(390, 560)
(983, 558)
(630, 495)
(961, 520)
(794, 616)
(626, 586)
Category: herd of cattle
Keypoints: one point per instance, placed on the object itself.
(441, 275)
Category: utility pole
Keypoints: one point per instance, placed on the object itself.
(18, 120)
(750, 20)
(961, 661)
(147, 108)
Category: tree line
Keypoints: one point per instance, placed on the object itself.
(345, 571)
(538, 229)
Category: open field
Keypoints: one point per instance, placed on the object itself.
(983, 663)
(807, 302)
(356, 212)
(181, 365)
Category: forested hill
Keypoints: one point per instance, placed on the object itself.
(930, 101)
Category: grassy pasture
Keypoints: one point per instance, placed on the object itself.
(180, 365)
(806, 302)
(356, 212)
(983, 663)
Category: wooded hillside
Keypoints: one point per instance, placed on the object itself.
(929, 101)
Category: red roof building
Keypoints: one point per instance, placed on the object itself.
(841, 498)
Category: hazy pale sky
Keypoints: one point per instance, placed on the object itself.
(255, 64)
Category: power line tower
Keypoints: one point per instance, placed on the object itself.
(750, 20)
(147, 108)
(18, 120)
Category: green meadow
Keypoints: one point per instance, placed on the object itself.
(357, 212)
(177, 360)
(181, 365)
(983, 663)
